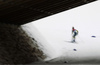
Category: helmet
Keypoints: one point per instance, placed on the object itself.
(72, 27)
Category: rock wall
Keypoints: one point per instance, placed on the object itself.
(15, 46)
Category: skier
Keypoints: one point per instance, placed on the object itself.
(74, 33)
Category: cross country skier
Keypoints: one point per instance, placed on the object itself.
(74, 33)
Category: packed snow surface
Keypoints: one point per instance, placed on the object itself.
(53, 34)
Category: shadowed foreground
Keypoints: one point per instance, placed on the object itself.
(16, 47)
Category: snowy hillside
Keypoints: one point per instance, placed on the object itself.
(54, 33)
(44, 45)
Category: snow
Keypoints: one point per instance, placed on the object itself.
(53, 34)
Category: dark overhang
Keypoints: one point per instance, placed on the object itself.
(19, 12)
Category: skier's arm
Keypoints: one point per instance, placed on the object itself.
(77, 31)
(72, 31)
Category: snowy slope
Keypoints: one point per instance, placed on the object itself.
(54, 32)
(43, 44)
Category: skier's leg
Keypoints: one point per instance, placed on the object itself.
(73, 38)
